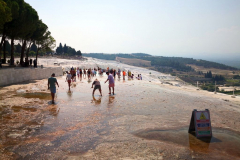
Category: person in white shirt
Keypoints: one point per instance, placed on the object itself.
(68, 78)
(78, 72)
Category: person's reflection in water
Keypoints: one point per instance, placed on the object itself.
(69, 93)
(111, 99)
(54, 110)
(96, 101)
(74, 85)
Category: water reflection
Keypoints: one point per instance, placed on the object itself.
(97, 101)
(74, 84)
(224, 141)
(69, 93)
(54, 110)
(198, 144)
(111, 99)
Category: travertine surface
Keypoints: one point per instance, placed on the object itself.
(143, 120)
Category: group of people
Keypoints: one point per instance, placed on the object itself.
(90, 73)
(97, 84)
(52, 82)
(82, 73)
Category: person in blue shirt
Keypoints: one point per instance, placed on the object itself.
(52, 81)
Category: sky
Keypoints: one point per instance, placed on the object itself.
(173, 28)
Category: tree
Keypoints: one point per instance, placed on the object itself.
(13, 8)
(14, 27)
(208, 74)
(33, 47)
(29, 19)
(46, 43)
(5, 16)
(5, 13)
(6, 49)
(38, 35)
(59, 49)
(18, 48)
(32, 53)
(79, 53)
(65, 48)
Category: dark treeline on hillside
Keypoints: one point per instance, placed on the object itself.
(18, 49)
(113, 56)
(67, 50)
(20, 23)
(177, 63)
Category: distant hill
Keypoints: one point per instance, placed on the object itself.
(134, 62)
(178, 63)
(232, 63)
(141, 54)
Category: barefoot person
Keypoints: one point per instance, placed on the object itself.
(68, 79)
(97, 86)
(52, 85)
(124, 74)
(111, 82)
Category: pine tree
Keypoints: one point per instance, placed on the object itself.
(65, 48)
(60, 48)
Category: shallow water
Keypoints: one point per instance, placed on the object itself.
(223, 140)
(149, 75)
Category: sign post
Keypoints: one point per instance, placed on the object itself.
(201, 123)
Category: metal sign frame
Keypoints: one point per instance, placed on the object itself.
(201, 123)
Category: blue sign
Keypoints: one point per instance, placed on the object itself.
(203, 124)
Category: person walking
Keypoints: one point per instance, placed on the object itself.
(81, 72)
(111, 82)
(89, 74)
(52, 81)
(84, 72)
(78, 72)
(68, 79)
(124, 74)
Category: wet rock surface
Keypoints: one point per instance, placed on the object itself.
(143, 120)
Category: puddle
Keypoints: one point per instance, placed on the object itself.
(19, 108)
(40, 95)
(224, 141)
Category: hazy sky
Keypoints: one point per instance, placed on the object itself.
(186, 28)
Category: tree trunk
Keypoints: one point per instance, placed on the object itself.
(4, 52)
(22, 51)
(1, 43)
(3, 38)
(37, 55)
(12, 51)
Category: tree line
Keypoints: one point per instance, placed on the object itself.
(177, 63)
(18, 48)
(67, 50)
(19, 22)
(214, 78)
